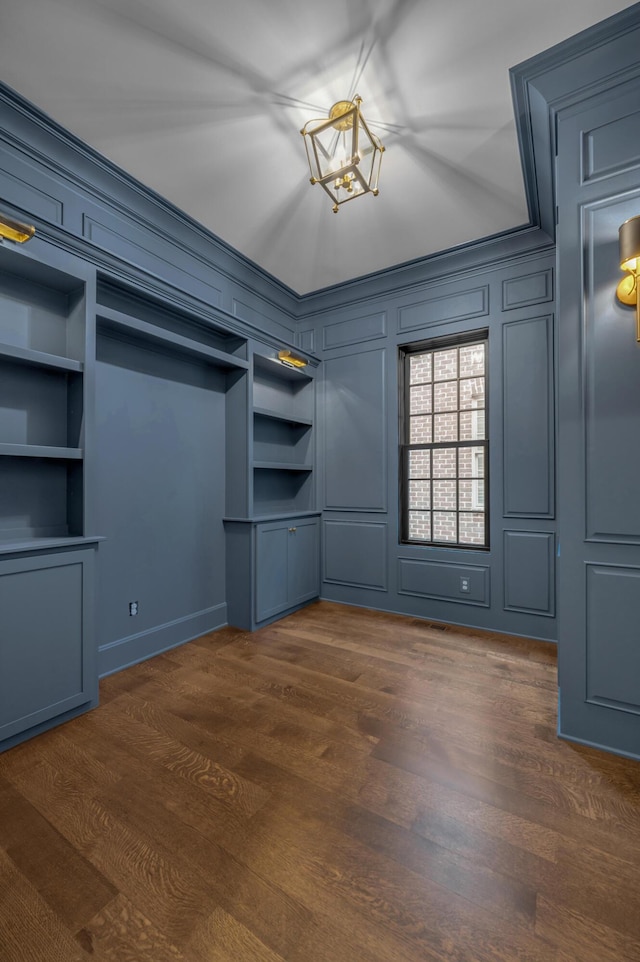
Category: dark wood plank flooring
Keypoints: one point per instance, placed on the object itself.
(342, 786)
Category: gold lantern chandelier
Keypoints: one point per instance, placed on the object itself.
(344, 156)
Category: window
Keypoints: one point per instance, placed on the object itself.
(444, 443)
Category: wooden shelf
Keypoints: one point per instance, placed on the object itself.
(25, 355)
(40, 451)
(281, 466)
(133, 327)
(286, 418)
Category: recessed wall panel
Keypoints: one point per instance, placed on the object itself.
(251, 314)
(528, 418)
(613, 638)
(536, 288)
(355, 450)
(20, 187)
(444, 581)
(306, 341)
(355, 553)
(611, 148)
(529, 572)
(446, 308)
(148, 250)
(354, 331)
(611, 384)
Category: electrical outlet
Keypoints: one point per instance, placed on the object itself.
(133, 608)
(465, 587)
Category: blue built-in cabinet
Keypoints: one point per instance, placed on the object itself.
(273, 535)
(47, 544)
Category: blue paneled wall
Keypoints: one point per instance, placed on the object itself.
(511, 586)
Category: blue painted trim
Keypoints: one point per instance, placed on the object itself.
(538, 91)
(48, 725)
(498, 250)
(281, 615)
(35, 115)
(528, 636)
(126, 652)
(607, 749)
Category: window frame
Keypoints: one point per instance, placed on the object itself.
(406, 351)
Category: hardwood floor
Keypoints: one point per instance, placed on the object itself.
(342, 786)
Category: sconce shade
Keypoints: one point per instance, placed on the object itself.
(344, 156)
(629, 234)
(14, 230)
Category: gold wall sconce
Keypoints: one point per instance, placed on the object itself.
(14, 230)
(344, 156)
(627, 291)
(291, 360)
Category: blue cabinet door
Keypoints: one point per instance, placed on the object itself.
(304, 561)
(287, 571)
(271, 572)
(47, 661)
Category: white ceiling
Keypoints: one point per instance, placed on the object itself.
(201, 100)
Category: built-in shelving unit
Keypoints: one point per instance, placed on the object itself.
(42, 387)
(47, 551)
(273, 550)
(126, 314)
(283, 407)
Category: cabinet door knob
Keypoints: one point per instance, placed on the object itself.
(292, 529)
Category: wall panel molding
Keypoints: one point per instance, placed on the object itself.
(24, 194)
(260, 320)
(355, 330)
(611, 460)
(445, 308)
(529, 572)
(138, 245)
(528, 418)
(611, 148)
(613, 652)
(443, 581)
(527, 290)
(355, 431)
(306, 341)
(355, 554)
